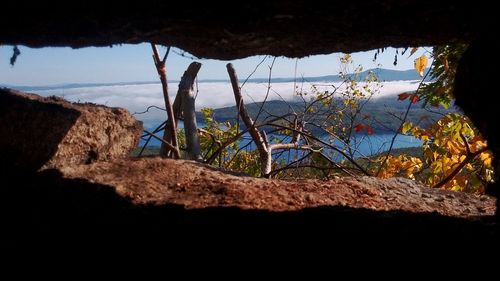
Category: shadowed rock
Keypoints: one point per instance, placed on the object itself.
(195, 185)
(46, 132)
(220, 30)
(160, 204)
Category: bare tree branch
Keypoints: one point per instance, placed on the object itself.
(159, 128)
(350, 159)
(212, 137)
(460, 166)
(162, 72)
(160, 139)
(212, 157)
(253, 71)
(256, 135)
(166, 55)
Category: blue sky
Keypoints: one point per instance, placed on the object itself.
(128, 63)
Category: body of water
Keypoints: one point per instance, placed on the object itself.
(361, 144)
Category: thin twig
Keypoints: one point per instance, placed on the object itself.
(212, 157)
(160, 139)
(402, 123)
(326, 144)
(268, 88)
(149, 138)
(457, 170)
(343, 169)
(148, 108)
(254, 70)
(212, 137)
(166, 55)
(183, 54)
(309, 166)
(238, 152)
(289, 165)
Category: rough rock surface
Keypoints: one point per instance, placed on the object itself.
(46, 132)
(221, 30)
(194, 185)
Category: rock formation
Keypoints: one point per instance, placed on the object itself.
(166, 181)
(220, 30)
(47, 132)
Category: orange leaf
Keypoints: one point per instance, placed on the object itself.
(358, 128)
(366, 116)
(403, 96)
(369, 129)
(414, 98)
(445, 63)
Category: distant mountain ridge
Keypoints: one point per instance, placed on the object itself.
(383, 74)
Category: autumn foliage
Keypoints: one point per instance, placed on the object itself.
(456, 156)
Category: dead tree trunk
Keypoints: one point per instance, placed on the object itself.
(162, 72)
(188, 111)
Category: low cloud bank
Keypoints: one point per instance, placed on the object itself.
(136, 98)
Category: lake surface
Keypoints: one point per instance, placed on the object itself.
(363, 144)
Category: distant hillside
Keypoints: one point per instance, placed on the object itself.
(383, 74)
(381, 112)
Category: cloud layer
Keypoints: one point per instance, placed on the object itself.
(137, 98)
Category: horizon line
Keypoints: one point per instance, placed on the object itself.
(71, 85)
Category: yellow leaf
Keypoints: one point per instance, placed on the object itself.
(406, 127)
(454, 148)
(456, 188)
(421, 64)
(435, 155)
(311, 110)
(486, 158)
